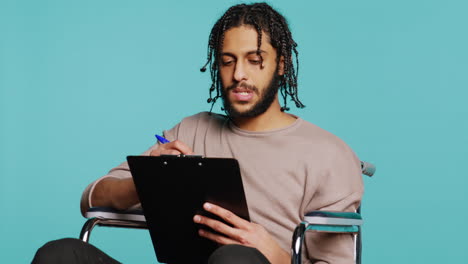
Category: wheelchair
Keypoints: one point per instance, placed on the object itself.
(315, 221)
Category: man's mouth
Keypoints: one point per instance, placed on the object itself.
(242, 94)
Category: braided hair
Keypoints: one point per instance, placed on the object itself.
(264, 19)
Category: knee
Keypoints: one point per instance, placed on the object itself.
(56, 251)
(234, 254)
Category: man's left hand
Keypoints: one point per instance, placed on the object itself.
(242, 232)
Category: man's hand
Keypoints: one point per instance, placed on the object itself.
(243, 233)
(172, 148)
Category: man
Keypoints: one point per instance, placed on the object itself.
(288, 166)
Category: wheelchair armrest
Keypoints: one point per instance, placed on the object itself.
(333, 218)
(106, 216)
(114, 214)
(336, 222)
(324, 221)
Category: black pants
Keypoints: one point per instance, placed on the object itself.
(75, 251)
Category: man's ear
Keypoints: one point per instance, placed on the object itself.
(281, 66)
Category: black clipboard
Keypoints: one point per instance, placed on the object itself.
(172, 189)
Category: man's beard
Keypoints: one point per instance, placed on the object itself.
(264, 102)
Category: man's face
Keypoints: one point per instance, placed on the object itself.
(248, 89)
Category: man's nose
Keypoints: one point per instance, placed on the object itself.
(239, 72)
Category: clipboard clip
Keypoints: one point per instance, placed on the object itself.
(181, 156)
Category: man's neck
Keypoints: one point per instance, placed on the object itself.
(272, 119)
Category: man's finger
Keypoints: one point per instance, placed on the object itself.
(180, 146)
(170, 152)
(229, 234)
(216, 238)
(155, 152)
(215, 225)
(226, 215)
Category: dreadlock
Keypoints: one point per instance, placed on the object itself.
(264, 19)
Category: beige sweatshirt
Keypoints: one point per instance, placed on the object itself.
(286, 173)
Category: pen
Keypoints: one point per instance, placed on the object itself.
(162, 139)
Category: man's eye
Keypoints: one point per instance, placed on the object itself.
(227, 63)
(256, 62)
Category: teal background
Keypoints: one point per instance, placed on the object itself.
(85, 83)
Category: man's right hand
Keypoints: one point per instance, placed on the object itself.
(172, 148)
(121, 193)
